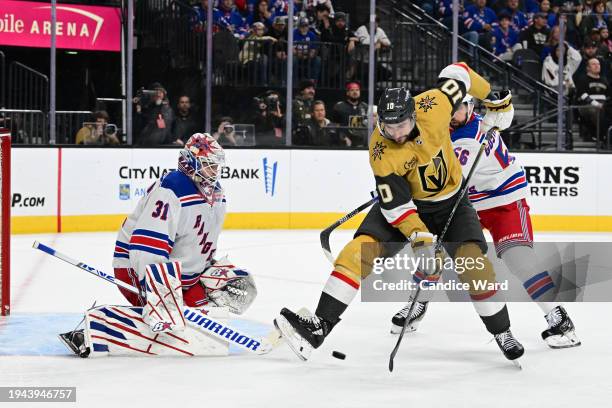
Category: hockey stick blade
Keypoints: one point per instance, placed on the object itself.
(439, 241)
(204, 323)
(326, 233)
(401, 335)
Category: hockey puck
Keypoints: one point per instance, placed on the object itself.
(338, 355)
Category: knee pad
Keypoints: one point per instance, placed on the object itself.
(356, 258)
(477, 270)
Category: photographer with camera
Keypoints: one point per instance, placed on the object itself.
(154, 117)
(269, 119)
(99, 132)
(225, 133)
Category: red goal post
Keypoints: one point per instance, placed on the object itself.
(5, 221)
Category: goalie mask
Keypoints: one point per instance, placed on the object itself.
(466, 108)
(202, 159)
(396, 114)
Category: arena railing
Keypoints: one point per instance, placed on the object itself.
(31, 126)
(436, 51)
(171, 25)
(27, 126)
(256, 63)
(422, 46)
(27, 88)
(541, 126)
(68, 123)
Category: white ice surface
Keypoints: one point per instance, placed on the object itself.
(448, 363)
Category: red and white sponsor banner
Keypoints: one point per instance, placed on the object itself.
(28, 24)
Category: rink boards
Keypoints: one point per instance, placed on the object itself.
(92, 189)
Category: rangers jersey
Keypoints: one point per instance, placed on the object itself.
(172, 222)
(499, 179)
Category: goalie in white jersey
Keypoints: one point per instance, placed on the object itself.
(497, 191)
(166, 249)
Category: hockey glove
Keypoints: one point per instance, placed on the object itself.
(423, 246)
(500, 111)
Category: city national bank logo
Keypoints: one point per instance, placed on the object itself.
(124, 191)
(269, 171)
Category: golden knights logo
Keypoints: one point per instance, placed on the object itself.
(426, 103)
(434, 174)
(378, 150)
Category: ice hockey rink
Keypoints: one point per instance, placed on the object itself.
(450, 361)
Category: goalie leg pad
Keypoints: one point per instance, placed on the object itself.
(122, 331)
(163, 310)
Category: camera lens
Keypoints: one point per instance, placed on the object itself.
(110, 129)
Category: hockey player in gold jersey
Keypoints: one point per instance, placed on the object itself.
(418, 178)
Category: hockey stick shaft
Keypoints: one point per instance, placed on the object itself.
(439, 245)
(200, 321)
(326, 233)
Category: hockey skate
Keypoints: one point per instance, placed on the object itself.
(75, 341)
(397, 322)
(302, 331)
(510, 346)
(560, 332)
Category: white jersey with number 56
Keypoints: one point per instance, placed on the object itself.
(499, 179)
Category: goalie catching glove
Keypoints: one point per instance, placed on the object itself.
(229, 286)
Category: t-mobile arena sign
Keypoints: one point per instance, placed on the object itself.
(28, 24)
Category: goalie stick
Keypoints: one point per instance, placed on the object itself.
(438, 245)
(203, 323)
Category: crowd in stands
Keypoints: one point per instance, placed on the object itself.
(519, 30)
(259, 28)
(514, 30)
(315, 124)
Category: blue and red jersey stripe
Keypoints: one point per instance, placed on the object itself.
(515, 182)
(152, 242)
(122, 250)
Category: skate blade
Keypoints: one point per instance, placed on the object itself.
(68, 344)
(517, 364)
(567, 340)
(71, 347)
(299, 346)
(395, 329)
